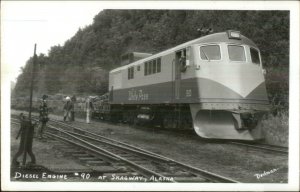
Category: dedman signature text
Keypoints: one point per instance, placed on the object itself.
(265, 173)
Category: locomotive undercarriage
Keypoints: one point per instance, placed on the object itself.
(166, 116)
(219, 124)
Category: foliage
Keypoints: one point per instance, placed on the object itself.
(276, 128)
(67, 68)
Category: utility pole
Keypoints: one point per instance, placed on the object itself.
(27, 127)
(32, 81)
(27, 131)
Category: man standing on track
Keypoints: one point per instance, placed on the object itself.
(89, 108)
(73, 101)
(43, 115)
(67, 109)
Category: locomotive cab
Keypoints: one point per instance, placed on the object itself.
(230, 88)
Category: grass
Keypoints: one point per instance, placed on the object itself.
(276, 128)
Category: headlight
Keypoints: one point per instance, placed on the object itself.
(233, 34)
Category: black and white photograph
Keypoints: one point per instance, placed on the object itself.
(150, 95)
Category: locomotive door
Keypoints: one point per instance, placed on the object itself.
(111, 94)
(179, 57)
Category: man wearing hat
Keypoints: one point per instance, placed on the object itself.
(43, 115)
(67, 108)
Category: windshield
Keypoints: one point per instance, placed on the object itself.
(236, 53)
(210, 52)
(254, 56)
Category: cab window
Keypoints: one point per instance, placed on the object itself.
(152, 67)
(130, 72)
(210, 52)
(158, 65)
(254, 56)
(236, 53)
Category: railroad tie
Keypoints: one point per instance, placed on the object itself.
(191, 179)
(97, 163)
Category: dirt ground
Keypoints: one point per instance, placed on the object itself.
(238, 163)
(48, 155)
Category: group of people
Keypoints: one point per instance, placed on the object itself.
(69, 112)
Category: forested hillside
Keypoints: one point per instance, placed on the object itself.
(81, 64)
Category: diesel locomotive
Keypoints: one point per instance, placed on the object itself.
(213, 84)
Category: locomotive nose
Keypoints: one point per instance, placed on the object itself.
(246, 79)
(220, 124)
(233, 81)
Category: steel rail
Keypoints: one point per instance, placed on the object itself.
(133, 148)
(266, 147)
(109, 139)
(89, 148)
(16, 123)
(207, 175)
(144, 153)
(137, 167)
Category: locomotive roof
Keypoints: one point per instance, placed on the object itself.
(212, 38)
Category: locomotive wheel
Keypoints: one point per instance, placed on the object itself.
(166, 123)
(135, 121)
(131, 119)
(186, 123)
(128, 117)
(169, 122)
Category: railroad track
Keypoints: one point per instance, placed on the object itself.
(145, 162)
(122, 159)
(15, 121)
(256, 146)
(129, 160)
(265, 147)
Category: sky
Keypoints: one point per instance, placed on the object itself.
(49, 23)
(45, 23)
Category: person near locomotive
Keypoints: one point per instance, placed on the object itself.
(43, 118)
(67, 108)
(73, 101)
(89, 108)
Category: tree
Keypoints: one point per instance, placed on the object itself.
(115, 32)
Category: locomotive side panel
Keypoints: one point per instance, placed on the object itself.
(203, 81)
(165, 86)
(141, 89)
